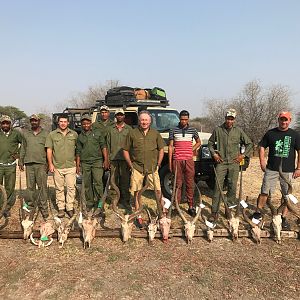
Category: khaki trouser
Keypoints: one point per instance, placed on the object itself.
(36, 174)
(61, 177)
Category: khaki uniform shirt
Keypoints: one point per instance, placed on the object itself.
(116, 140)
(144, 149)
(63, 147)
(89, 145)
(103, 126)
(33, 147)
(228, 142)
(9, 145)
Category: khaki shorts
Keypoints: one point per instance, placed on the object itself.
(270, 182)
(136, 181)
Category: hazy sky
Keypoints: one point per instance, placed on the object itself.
(195, 50)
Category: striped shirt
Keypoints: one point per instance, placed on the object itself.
(183, 141)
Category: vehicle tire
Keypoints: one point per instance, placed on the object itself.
(165, 181)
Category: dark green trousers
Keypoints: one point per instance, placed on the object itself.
(8, 179)
(122, 177)
(93, 186)
(36, 175)
(223, 169)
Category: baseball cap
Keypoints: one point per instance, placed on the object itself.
(5, 118)
(119, 111)
(104, 107)
(231, 112)
(285, 114)
(86, 117)
(35, 117)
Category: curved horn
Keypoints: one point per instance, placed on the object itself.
(178, 208)
(228, 212)
(288, 182)
(149, 215)
(115, 187)
(49, 243)
(173, 194)
(247, 219)
(158, 200)
(271, 206)
(4, 204)
(199, 207)
(32, 240)
(237, 212)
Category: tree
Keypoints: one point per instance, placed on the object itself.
(257, 108)
(17, 116)
(88, 98)
(297, 122)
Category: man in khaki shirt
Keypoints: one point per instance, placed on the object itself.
(144, 152)
(61, 144)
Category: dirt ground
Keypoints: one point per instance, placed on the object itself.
(110, 270)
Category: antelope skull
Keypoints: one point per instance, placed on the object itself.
(46, 231)
(88, 226)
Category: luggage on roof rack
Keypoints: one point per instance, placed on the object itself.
(132, 102)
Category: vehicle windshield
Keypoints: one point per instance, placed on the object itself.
(163, 120)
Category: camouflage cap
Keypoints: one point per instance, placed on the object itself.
(86, 117)
(119, 111)
(231, 112)
(104, 107)
(5, 118)
(34, 117)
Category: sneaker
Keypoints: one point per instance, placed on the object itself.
(285, 224)
(61, 213)
(139, 222)
(192, 211)
(257, 215)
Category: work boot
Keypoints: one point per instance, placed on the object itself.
(285, 224)
(70, 213)
(6, 214)
(192, 211)
(61, 213)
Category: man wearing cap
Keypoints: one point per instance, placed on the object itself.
(283, 143)
(10, 140)
(144, 151)
(116, 137)
(225, 145)
(92, 157)
(105, 122)
(61, 144)
(33, 156)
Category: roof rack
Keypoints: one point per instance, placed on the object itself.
(132, 102)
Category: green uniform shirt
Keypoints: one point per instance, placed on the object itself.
(89, 145)
(144, 148)
(103, 126)
(33, 147)
(228, 142)
(63, 147)
(9, 145)
(116, 140)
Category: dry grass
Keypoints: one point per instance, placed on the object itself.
(111, 270)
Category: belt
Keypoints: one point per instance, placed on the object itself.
(7, 164)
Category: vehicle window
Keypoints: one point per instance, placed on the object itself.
(164, 120)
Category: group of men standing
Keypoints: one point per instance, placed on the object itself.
(134, 153)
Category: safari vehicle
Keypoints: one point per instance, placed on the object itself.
(163, 118)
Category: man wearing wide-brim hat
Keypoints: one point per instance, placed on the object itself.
(33, 157)
(10, 140)
(225, 147)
